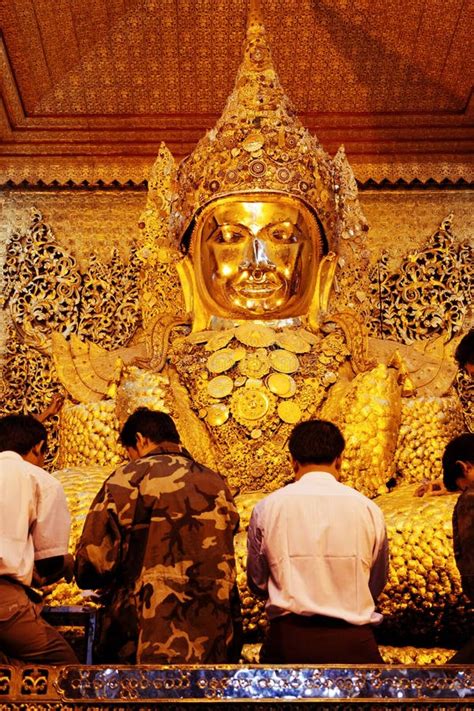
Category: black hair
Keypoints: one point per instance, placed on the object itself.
(186, 238)
(460, 449)
(20, 433)
(465, 351)
(157, 426)
(316, 442)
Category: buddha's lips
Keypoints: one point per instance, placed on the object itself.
(258, 288)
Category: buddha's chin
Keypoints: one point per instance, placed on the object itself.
(250, 301)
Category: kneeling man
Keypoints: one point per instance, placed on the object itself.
(317, 549)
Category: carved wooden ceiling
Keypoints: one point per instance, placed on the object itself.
(90, 88)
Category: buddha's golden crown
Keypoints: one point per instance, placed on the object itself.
(259, 145)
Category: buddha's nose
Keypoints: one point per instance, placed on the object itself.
(259, 255)
(257, 262)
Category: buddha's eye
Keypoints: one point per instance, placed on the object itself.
(283, 235)
(228, 234)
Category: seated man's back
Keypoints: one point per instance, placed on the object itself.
(159, 537)
(321, 536)
(317, 549)
(34, 535)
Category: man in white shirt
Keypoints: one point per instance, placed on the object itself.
(317, 549)
(34, 535)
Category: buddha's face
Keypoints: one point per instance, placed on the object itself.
(256, 256)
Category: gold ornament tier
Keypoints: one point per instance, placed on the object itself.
(249, 386)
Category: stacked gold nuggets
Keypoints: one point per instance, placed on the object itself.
(427, 425)
(423, 601)
(369, 412)
(253, 609)
(88, 435)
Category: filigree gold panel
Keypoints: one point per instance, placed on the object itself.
(428, 294)
(45, 292)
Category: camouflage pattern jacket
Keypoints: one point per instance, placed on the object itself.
(463, 540)
(158, 540)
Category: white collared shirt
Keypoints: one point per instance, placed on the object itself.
(34, 518)
(318, 547)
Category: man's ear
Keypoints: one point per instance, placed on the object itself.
(35, 455)
(338, 463)
(141, 444)
(463, 481)
(294, 465)
(140, 440)
(463, 466)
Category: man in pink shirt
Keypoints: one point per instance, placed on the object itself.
(34, 535)
(317, 549)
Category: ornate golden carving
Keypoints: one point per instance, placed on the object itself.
(464, 385)
(429, 294)
(160, 290)
(45, 294)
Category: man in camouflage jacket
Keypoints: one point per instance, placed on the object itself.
(158, 540)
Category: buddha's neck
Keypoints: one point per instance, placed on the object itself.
(218, 323)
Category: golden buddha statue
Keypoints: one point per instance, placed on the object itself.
(253, 271)
(246, 244)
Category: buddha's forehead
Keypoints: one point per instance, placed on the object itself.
(260, 209)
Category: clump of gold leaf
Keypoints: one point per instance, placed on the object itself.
(416, 655)
(427, 425)
(368, 414)
(79, 499)
(140, 388)
(88, 435)
(423, 598)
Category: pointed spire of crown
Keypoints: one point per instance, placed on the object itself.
(258, 145)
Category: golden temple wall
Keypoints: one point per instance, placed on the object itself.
(402, 220)
(94, 221)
